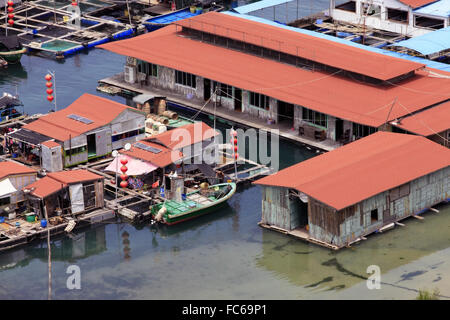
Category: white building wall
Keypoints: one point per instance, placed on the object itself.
(381, 21)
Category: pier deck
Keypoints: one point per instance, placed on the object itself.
(230, 115)
(135, 205)
(12, 236)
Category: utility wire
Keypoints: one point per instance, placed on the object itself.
(424, 124)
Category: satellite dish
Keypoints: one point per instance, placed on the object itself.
(127, 146)
(115, 153)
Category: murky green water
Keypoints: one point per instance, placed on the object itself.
(221, 256)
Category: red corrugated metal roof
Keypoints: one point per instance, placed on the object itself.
(161, 159)
(186, 135)
(50, 144)
(428, 122)
(417, 3)
(57, 125)
(323, 51)
(55, 181)
(176, 138)
(337, 96)
(8, 168)
(44, 187)
(362, 169)
(73, 176)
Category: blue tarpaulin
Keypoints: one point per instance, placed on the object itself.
(429, 63)
(259, 5)
(439, 9)
(429, 43)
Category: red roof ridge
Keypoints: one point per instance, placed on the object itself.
(427, 122)
(319, 91)
(363, 168)
(9, 168)
(98, 109)
(73, 176)
(312, 48)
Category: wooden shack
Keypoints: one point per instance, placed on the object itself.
(13, 177)
(339, 197)
(91, 127)
(65, 192)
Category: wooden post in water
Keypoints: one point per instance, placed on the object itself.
(49, 250)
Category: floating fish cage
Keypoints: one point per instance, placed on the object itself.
(43, 27)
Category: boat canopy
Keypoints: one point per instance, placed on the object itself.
(135, 167)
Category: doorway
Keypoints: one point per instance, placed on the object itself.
(206, 89)
(339, 129)
(92, 147)
(303, 213)
(237, 99)
(285, 113)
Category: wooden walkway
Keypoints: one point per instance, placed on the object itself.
(12, 236)
(300, 234)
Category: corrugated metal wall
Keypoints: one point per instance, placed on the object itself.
(390, 206)
(51, 158)
(275, 208)
(19, 182)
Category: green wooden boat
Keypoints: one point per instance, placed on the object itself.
(11, 49)
(197, 203)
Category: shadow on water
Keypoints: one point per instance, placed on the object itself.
(81, 244)
(13, 73)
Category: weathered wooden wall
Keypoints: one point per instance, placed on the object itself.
(275, 208)
(19, 182)
(344, 226)
(278, 209)
(126, 121)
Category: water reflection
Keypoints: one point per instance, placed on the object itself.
(196, 225)
(318, 269)
(12, 73)
(79, 245)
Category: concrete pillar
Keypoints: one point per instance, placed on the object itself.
(331, 8)
(331, 127)
(199, 89)
(245, 101)
(273, 109)
(298, 113)
(410, 19)
(358, 8)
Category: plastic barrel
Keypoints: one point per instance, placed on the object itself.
(43, 223)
